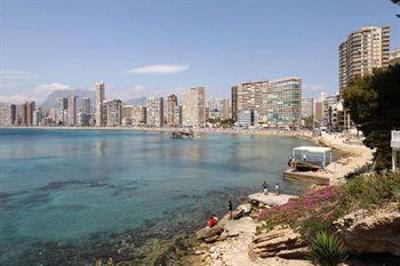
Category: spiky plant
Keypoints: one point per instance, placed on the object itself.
(327, 250)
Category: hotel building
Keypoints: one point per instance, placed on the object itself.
(194, 107)
(249, 96)
(272, 103)
(283, 103)
(155, 111)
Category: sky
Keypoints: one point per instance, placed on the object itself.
(145, 48)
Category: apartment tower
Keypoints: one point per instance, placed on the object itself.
(71, 117)
(194, 107)
(364, 50)
(100, 87)
(171, 106)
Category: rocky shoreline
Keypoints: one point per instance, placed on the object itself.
(236, 242)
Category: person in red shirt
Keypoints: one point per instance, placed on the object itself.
(212, 221)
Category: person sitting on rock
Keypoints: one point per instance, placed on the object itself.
(212, 221)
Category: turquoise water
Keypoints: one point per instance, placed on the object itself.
(61, 190)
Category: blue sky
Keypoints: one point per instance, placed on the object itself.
(160, 47)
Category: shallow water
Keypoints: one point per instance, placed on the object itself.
(74, 195)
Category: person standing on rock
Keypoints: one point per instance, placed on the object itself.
(277, 188)
(265, 187)
(230, 208)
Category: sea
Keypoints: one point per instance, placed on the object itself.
(76, 196)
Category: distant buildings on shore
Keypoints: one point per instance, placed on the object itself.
(263, 103)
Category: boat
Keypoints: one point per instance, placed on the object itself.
(181, 134)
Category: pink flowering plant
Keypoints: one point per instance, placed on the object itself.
(313, 210)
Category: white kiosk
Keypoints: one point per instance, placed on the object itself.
(395, 144)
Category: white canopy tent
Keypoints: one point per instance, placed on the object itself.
(319, 155)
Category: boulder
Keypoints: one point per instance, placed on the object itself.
(237, 214)
(246, 207)
(207, 232)
(371, 232)
(280, 242)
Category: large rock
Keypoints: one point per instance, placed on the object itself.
(280, 242)
(376, 232)
(209, 233)
(246, 207)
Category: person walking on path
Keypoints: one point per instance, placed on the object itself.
(230, 208)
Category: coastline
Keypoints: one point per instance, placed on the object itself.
(234, 249)
(263, 132)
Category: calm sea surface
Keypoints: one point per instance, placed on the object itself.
(72, 196)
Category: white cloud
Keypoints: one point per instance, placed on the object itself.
(159, 69)
(15, 99)
(13, 75)
(45, 89)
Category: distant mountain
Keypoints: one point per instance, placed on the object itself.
(51, 100)
(140, 100)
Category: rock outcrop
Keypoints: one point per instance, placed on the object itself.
(280, 242)
(210, 235)
(371, 232)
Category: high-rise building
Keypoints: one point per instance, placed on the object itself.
(307, 107)
(37, 117)
(318, 111)
(395, 56)
(7, 114)
(225, 109)
(27, 114)
(194, 107)
(112, 111)
(62, 111)
(71, 117)
(100, 94)
(364, 50)
(329, 105)
(172, 102)
(178, 115)
(234, 92)
(250, 96)
(155, 111)
(138, 115)
(84, 114)
(283, 102)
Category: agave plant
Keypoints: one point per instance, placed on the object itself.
(327, 250)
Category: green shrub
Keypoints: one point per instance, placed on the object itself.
(327, 250)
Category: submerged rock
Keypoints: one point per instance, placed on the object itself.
(366, 232)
